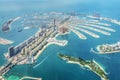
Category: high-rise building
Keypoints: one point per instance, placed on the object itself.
(54, 24)
(11, 51)
(63, 30)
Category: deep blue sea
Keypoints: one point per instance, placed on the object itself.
(53, 68)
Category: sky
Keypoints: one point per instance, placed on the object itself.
(56, 5)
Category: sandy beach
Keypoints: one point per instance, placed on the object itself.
(5, 41)
(97, 30)
(101, 27)
(81, 36)
(88, 32)
(49, 43)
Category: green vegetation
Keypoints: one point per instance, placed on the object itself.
(13, 77)
(92, 65)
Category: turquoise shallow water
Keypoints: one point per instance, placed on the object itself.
(53, 68)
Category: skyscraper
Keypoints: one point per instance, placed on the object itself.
(11, 51)
(54, 24)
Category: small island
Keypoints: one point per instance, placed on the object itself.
(91, 65)
(5, 41)
(108, 48)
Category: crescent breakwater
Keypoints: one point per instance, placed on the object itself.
(106, 19)
(107, 48)
(6, 25)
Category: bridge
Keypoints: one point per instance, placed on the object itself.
(4, 69)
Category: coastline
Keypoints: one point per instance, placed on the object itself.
(48, 44)
(106, 19)
(101, 27)
(72, 62)
(81, 36)
(99, 66)
(106, 52)
(1, 78)
(88, 32)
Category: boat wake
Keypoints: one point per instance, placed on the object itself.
(40, 62)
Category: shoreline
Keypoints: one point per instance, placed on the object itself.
(86, 26)
(97, 30)
(48, 44)
(106, 19)
(72, 62)
(88, 32)
(1, 78)
(101, 27)
(106, 52)
(100, 66)
(81, 36)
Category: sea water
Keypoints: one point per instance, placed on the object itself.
(54, 68)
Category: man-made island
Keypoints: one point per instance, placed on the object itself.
(108, 48)
(6, 25)
(92, 65)
(51, 25)
(29, 50)
(5, 41)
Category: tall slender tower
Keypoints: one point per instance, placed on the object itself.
(54, 24)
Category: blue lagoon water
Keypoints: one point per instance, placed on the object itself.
(53, 68)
